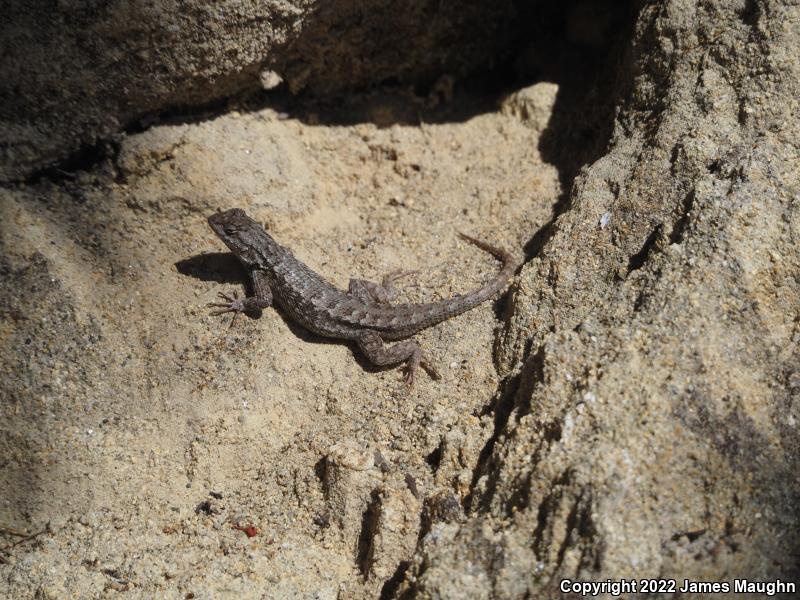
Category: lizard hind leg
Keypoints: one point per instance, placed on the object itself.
(407, 351)
(378, 293)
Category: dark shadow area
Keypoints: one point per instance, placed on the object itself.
(392, 585)
(736, 436)
(87, 158)
(32, 300)
(637, 260)
(366, 539)
(221, 267)
(434, 457)
(587, 64)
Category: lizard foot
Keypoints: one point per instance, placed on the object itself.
(392, 277)
(233, 305)
(429, 367)
(409, 375)
(417, 360)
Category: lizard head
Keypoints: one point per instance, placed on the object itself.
(240, 233)
(231, 218)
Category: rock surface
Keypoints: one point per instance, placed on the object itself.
(631, 410)
(155, 439)
(75, 74)
(652, 428)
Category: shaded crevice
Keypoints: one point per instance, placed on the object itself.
(571, 526)
(638, 260)
(750, 13)
(534, 376)
(89, 157)
(503, 405)
(366, 539)
(392, 585)
(245, 101)
(592, 82)
(547, 507)
(517, 387)
(434, 458)
(579, 525)
(679, 230)
(441, 507)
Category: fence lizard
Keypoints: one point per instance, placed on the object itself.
(363, 313)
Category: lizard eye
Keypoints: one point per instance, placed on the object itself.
(230, 229)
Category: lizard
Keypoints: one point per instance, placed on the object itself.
(363, 314)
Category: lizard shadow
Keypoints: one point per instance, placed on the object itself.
(309, 336)
(221, 267)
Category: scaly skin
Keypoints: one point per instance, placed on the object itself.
(362, 314)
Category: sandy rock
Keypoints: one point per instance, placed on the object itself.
(628, 409)
(653, 428)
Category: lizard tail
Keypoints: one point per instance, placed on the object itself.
(426, 315)
(510, 265)
(503, 255)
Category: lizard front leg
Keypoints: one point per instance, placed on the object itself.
(261, 299)
(407, 351)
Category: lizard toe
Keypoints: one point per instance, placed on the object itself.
(233, 304)
(409, 376)
(430, 367)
